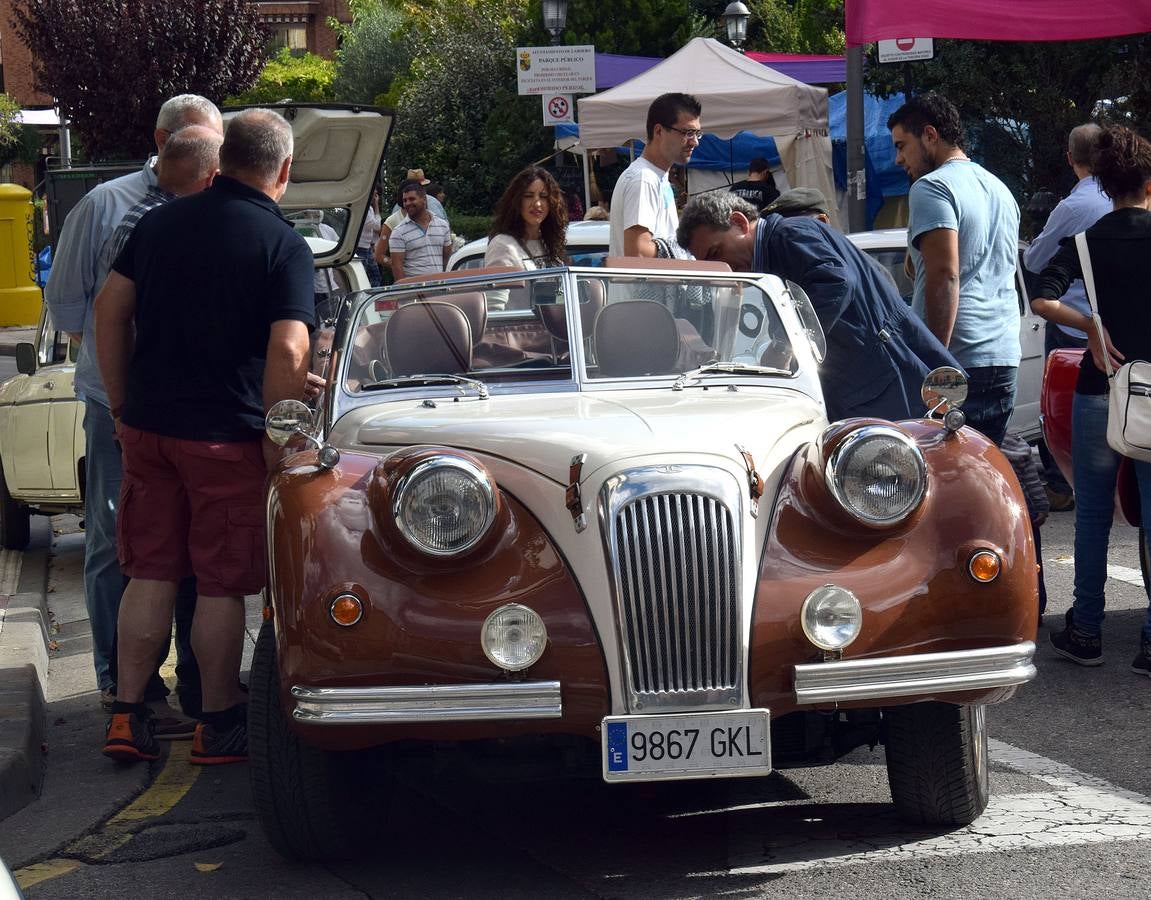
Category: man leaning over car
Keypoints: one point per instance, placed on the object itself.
(202, 325)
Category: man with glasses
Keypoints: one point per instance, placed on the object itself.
(643, 213)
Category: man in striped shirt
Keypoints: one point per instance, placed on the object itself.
(423, 241)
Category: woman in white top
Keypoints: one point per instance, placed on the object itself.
(529, 230)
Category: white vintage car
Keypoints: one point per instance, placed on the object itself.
(337, 154)
(600, 514)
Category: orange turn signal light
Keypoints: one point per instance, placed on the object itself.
(346, 609)
(984, 566)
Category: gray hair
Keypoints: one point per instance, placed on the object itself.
(1082, 144)
(256, 143)
(189, 156)
(187, 109)
(711, 210)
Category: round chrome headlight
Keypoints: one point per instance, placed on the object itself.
(877, 473)
(514, 637)
(831, 617)
(444, 505)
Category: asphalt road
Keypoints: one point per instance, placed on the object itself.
(1070, 814)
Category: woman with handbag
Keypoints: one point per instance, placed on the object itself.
(1112, 261)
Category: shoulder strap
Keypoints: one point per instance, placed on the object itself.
(1089, 283)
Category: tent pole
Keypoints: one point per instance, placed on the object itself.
(586, 157)
(856, 173)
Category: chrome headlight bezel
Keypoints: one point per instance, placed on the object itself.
(846, 450)
(422, 470)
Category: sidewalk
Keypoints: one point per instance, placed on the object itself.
(24, 636)
(10, 337)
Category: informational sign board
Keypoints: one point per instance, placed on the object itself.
(906, 50)
(556, 70)
(558, 109)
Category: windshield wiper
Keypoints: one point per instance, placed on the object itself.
(725, 368)
(428, 380)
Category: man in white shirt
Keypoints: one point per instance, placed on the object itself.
(643, 202)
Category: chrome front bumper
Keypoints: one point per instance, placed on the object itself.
(921, 673)
(428, 703)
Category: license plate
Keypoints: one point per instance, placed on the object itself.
(695, 745)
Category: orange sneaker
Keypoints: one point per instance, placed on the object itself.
(217, 748)
(130, 739)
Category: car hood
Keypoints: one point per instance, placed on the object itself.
(335, 162)
(544, 431)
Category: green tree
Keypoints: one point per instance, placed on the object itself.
(631, 27)
(10, 126)
(112, 63)
(305, 79)
(374, 49)
(1020, 100)
(796, 26)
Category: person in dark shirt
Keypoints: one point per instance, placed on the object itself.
(1120, 245)
(758, 188)
(878, 352)
(201, 326)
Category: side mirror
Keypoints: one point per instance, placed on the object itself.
(291, 417)
(286, 418)
(945, 391)
(26, 359)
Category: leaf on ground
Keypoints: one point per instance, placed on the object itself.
(207, 867)
(53, 645)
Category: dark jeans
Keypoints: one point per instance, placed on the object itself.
(990, 399)
(1055, 338)
(371, 267)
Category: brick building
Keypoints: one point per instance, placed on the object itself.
(297, 24)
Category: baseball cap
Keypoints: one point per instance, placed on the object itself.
(417, 175)
(798, 201)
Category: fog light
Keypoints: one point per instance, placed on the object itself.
(984, 566)
(831, 617)
(514, 637)
(346, 609)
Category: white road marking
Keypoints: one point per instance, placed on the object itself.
(1119, 573)
(1081, 809)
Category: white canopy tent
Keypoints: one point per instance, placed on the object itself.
(737, 94)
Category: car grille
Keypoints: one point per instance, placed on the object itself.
(676, 561)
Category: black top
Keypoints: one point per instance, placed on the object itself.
(213, 271)
(757, 193)
(1120, 246)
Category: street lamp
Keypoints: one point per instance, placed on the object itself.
(735, 18)
(555, 17)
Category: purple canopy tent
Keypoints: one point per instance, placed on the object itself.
(612, 68)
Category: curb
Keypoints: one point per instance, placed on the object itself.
(24, 675)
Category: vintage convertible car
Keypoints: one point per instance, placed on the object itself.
(603, 508)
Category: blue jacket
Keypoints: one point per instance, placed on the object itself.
(878, 351)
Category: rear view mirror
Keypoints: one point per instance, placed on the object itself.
(26, 359)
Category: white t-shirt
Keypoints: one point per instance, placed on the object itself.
(506, 250)
(642, 196)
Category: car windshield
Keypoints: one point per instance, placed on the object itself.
(494, 332)
(646, 326)
(511, 329)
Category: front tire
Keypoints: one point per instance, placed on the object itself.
(15, 519)
(303, 796)
(937, 762)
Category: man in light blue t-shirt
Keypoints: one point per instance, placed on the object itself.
(963, 234)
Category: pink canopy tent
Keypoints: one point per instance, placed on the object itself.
(995, 20)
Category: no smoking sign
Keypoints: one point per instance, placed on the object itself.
(558, 109)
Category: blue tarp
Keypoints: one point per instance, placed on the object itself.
(889, 179)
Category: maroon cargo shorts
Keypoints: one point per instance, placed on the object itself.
(192, 508)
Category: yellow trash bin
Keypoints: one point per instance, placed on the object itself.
(20, 297)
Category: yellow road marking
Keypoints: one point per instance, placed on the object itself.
(170, 786)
